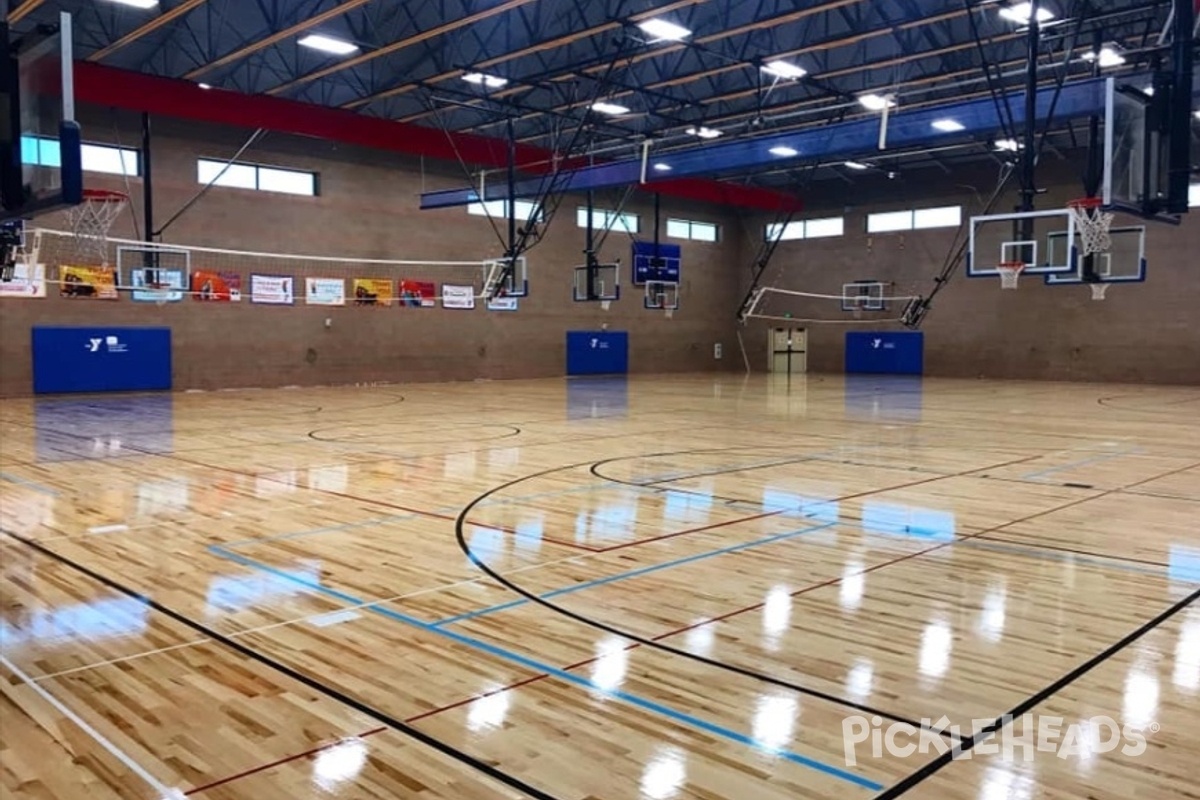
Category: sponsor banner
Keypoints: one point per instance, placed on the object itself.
(373, 292)
(418, 294)
(28, 281)
(96, 282)
(461, 297)
(272, 289)
(325, 291)
(218, 287)
(171, 277)
(502, 304)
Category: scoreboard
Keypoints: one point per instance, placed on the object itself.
(656, 263)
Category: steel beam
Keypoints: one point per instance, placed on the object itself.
(831, 142)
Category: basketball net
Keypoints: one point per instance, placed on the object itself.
(91, 221)
(1093, 225)
(1010, 273)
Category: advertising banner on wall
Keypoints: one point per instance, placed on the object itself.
(28, 281)
(325, 291)
(373, 292)
(418, 294)
(220, 287)
(502, 304)
(460, 297)
(272, 289)
(171, 277)
(95, 282)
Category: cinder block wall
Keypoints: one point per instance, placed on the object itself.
(1142, 333)
(368, 208)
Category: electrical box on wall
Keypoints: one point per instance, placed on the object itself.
(718, 351)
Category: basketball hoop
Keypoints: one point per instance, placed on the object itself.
(1099, 290)
(91, 220)
(160, 293)
(1010, 273)
(1092, 223)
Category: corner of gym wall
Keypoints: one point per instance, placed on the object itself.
(367, 207)
(1142, 333)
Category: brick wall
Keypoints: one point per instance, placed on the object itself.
(1147, 332)
(368, 208)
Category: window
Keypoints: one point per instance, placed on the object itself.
(808, 229)
(44, 151)
(112, 160)
(915, 220)
(1194, 195)
(691, 229)
(891, 221)
(944, 217)
(253, 176)
(498, 209)
(608, 220)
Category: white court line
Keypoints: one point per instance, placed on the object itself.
(163, 792)
(409, 595)
(120, 659)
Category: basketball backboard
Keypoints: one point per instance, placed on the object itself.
(599, 282)
(1023, 237)
(41, 162)
(1124, 262)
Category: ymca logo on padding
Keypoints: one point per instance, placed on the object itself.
(93, 345)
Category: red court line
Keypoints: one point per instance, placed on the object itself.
(702, 529)
(277, 762)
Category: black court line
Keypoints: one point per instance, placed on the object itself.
(460, 535)
(1027, 705)
(418, 438)
(328, 691)
(1077, 552)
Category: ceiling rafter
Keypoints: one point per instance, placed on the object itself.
(25, 9)
(165, 18)
(551, 44)
(840, 41)
(276, 38)
(758, 25)
(394, 47)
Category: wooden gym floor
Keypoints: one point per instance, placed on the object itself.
(675, 588)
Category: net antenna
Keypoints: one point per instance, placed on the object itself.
(91, 221)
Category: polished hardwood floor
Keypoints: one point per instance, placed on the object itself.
(684, 587)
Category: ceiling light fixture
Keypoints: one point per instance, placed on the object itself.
(857, 165)
(947, 125)
(663, 167)
(1021, 13)
(204, 85)
(1007, 145)
(482, 79)
(1109, 56)
(783, 151)
(328, 44)
(875, 102)
(784, 69)
(142, 4)
(704, 132)
(612, 109)
(664, 31)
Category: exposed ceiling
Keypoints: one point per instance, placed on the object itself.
(560, 56)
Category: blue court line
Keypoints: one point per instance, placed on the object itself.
(1078, 558)
(563, 675)
(1030, 476)
(579, 587)
(35, 486)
